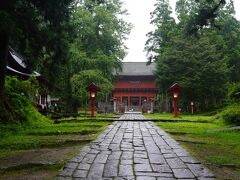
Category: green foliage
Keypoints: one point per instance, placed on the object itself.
(204, 64)
(95, 42)
(234, 92)
(6, 23)
(97, 36)
(161, 17)
(231, 114)
(15, 86)
(62, 38)
(205, 14)
(38, 31)
(81, 80)
(198, 66)
(20, 95)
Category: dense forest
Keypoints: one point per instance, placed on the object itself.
(69, 42)
(200, 50)
(72, 42)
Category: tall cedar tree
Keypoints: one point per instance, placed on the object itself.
(202, 64)
(27, 18)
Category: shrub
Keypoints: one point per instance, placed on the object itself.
(20, 95)
(231, 115)
(234, 92)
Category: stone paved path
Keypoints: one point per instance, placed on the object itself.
(134, 150)
(136, 116)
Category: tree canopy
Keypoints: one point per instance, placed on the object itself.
(81, 80)
(23, 25)
(61, 39)
(202, 62)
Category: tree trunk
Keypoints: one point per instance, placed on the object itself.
(3, 60)
(4, 42)
(167, 103)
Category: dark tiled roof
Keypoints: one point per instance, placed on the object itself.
(16, 65)
(17, 58)
(137, 69)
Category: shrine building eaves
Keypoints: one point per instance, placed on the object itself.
(137, 69)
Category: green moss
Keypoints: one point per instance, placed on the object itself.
(224, 160)
(20, 101)
(31, 137)
(32, 130)
(169, 116)
(192, 127)
(231, 114)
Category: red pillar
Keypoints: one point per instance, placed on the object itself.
(175, 90)
(92, 107)
(175, 107)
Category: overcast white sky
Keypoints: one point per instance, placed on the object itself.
(139, 16)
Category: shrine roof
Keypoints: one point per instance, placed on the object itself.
(137, 69)
(16, 66)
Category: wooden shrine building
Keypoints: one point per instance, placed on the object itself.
(135, 87)
(17, 67)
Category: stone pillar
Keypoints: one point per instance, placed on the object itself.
(114, 106)
(151, 107)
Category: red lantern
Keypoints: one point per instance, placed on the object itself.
(175, 90)
(92, 89)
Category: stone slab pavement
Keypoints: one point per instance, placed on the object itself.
(134, 150)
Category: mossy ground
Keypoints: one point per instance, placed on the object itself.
(39, 150)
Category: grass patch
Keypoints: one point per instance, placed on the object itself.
(219, 149)
(70, 128)
(61, 141)
(224, 161)
(20, 137)
(188, 127)
(182, 117)
(31, 171)
(84, 119)
(25, 142)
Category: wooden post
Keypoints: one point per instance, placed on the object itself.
(92, 89)
(92, 106)
(175, 90)
(175, 107)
